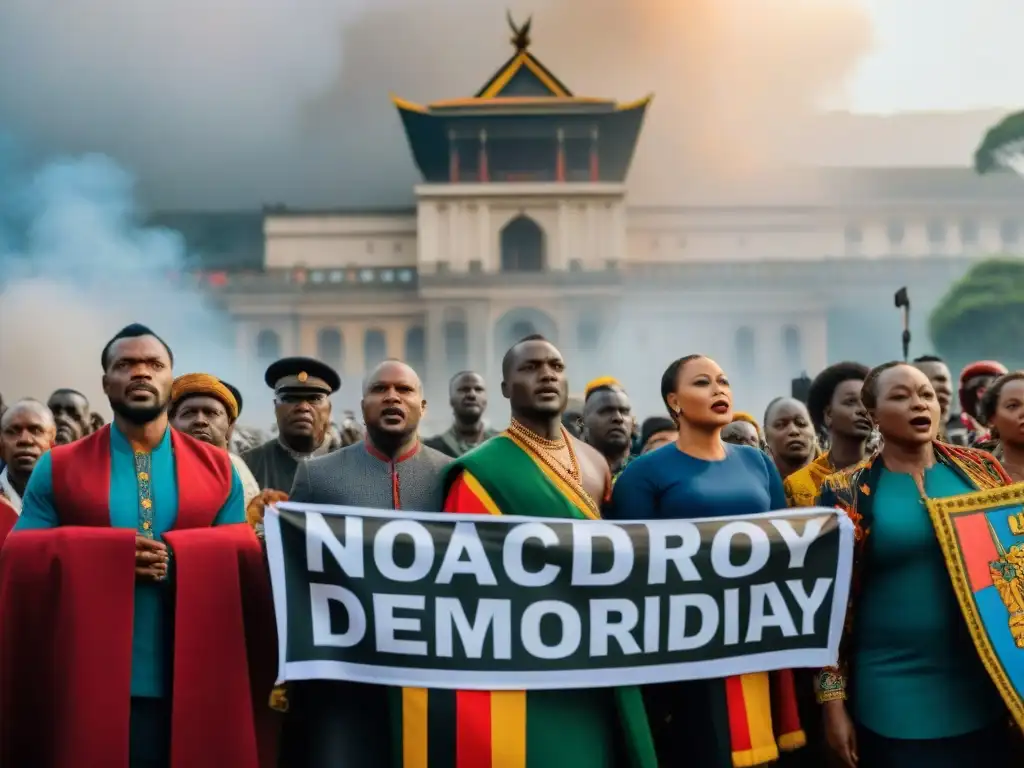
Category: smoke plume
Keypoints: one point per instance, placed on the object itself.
(234, 104)
(75, 267)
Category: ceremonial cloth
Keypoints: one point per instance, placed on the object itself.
(517, 729)
(65, 672)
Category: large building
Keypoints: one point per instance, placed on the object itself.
(522, 224)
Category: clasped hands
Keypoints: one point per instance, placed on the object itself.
(151, 558)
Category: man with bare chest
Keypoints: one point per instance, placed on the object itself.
(534, 468)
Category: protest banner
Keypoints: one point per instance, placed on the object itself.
(498, 603)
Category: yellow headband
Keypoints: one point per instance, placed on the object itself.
(204, 384)
(602, 381)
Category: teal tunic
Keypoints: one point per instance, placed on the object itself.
(150, 656)
(916, 674)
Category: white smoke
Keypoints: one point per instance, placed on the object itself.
(76, 266)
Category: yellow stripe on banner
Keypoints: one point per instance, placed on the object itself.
(478, 490)
(758, 704)
(508, 729)
(414, 728)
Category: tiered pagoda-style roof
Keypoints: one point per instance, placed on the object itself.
(523, 124)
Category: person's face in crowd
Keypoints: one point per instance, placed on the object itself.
(393, 401)
(26, 435)
(974, 389)
(741, 433)
(942, 382)
(468, 398)
(659, 439)
(1008, 420)
(138, 379)
(907, 411)
(703, 395)
(205, 418)
(789, 432)
(608, 421)
(536, 384)
(302, 417)
(72, 416)
(846, 415)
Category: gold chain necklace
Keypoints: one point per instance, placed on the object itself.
(543, 449)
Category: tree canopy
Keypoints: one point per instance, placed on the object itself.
(981, 317)
(1003, 146)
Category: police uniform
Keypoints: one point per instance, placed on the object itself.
(273, 464)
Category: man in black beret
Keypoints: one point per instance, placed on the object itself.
(302, 405)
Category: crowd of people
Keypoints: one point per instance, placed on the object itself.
(173, 487)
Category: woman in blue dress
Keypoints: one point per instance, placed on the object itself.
(699, 476)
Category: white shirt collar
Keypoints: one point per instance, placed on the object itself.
(8, 490)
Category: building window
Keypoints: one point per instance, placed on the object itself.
(969, 232)
(523, 328)
(268, 346)
(456, 345)
(374, 348)
(522, 246)
(853, 234)
(588, 335)
(746, 357)
(416, 349)
(1009, 232)
(936, 232)
(329, 347)
(896, 231)
(791, 349)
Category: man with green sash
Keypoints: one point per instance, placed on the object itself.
(533, 468)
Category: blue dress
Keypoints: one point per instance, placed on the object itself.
(689, 720)
(667, 484)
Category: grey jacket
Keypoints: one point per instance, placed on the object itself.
(359, 476)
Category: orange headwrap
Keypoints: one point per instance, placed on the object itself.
(743, 416)
(204, 384)
(602, 381)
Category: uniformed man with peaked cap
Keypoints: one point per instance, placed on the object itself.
(302, 404)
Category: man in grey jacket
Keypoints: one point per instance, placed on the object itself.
(331, 723)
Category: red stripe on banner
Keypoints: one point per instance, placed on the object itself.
(473, 733)
(739, 728)
(977, 548)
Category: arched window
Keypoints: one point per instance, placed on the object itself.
(329, 347)
(523, 328)
(588, 335)
(522, 246)
(791, 348)
(416, 349)
(374, 347)
(746, 357)
(268, 346)
(456, 344)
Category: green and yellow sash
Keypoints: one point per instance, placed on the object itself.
(522, 729)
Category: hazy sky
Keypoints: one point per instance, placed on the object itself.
(957, 54)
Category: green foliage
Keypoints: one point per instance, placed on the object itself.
(1000, 137)
(981, 317)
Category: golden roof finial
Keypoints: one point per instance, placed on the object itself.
(520, 35)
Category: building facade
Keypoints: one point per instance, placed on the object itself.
(522, 225)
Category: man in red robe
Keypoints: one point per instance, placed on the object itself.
(136, 628)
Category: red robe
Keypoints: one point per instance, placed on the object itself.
(66, 602)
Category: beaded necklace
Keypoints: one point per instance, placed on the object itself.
(545, 448)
